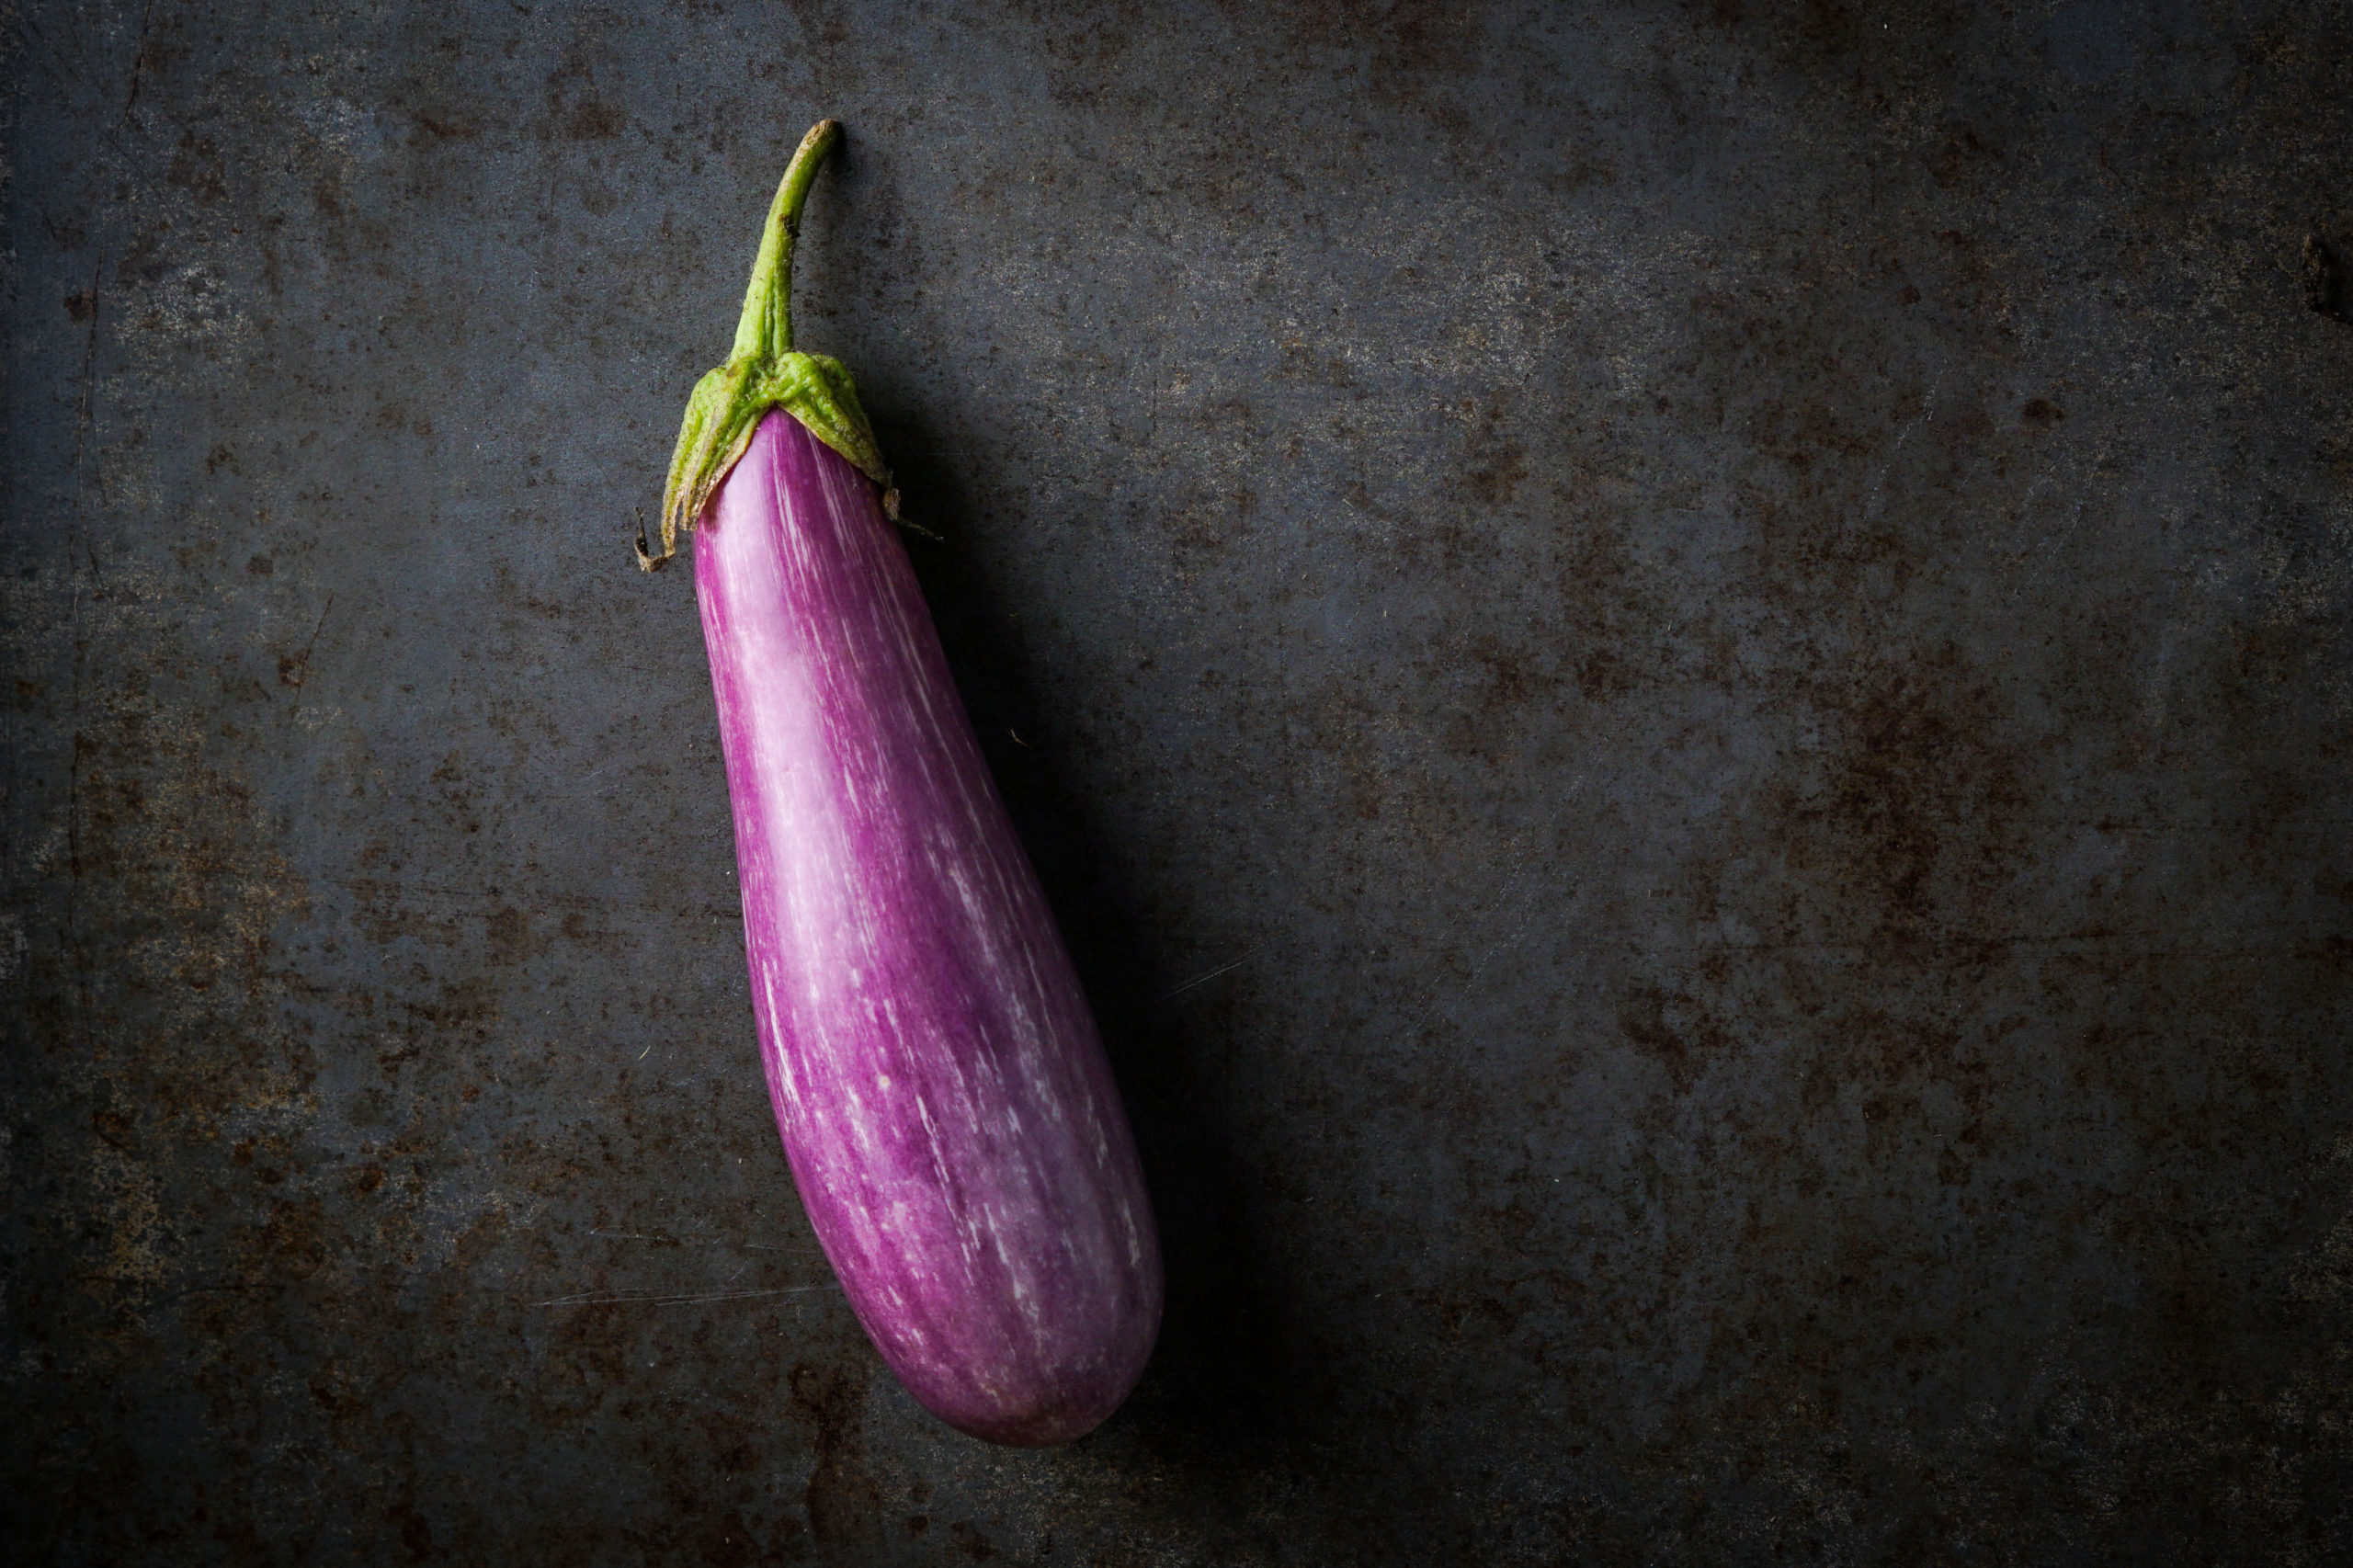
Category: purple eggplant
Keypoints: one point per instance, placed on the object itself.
(945, 1102)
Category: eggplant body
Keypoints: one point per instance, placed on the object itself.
(944, 1099)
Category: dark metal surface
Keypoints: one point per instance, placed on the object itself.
(1682, 672)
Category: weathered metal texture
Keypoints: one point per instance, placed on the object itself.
(1683, 674)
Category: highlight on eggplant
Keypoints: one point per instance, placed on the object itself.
(944, 1099)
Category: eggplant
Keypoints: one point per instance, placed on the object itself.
(944, 1098)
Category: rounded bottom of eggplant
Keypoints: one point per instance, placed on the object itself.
(1050, 1411)
(1044, 1427)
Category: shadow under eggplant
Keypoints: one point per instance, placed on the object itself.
(1227, 1365)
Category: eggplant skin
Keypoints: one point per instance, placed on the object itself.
(945, 1102)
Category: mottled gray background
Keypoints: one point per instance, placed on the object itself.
(1683, 673)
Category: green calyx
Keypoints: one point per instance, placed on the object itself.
(765, 371)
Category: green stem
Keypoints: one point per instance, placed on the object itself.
(766, 371)
(766, 328)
